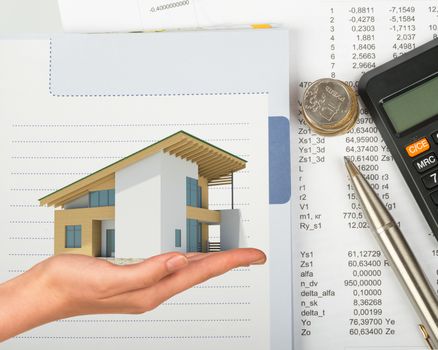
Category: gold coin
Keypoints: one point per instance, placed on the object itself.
(330, 107)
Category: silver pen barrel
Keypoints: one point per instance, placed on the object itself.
(399, 255)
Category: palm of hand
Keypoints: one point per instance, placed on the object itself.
(84, 285)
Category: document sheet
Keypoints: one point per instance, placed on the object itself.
(345, 294)
(51, 138)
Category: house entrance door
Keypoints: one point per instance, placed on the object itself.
(110, 242)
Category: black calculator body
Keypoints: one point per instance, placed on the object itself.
(402, 98)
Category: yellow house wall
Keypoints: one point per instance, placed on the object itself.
(90, 220)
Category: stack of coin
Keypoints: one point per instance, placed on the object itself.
(330, 107)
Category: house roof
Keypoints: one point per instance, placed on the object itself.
(214, 164)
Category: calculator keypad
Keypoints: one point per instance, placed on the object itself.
(426, 164)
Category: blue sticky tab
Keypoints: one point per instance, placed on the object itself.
(279, 160)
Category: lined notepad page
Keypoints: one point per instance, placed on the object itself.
(48, 142)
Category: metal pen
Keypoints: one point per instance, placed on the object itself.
(399, 255)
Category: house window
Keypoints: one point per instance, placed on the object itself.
(194, 236)
(103, 198)
(178, 238)
(73, 236)
(193, 193)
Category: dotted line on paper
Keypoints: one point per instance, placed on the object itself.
(48, 173)
(165, 95)
(51, 58)
(31, 222)
(155, 321)
(24, 206)
(23, 234)
(202, 337)
(67, 157)
(207, 303)
(121, 141)
(83, 141)
(29, 254)
(78, 157)
(30, 238)
(33, 189)
(50, 66)
(88, 173)
(135, 125)
(22, 270)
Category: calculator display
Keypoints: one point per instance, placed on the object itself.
(414, 106)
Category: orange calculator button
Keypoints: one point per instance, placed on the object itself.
(418, 147)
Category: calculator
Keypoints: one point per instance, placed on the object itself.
(402, 98)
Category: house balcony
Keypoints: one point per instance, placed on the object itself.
(205, 216)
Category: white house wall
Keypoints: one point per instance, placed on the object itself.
(232, 234)
(81, 202)
(173, 200)
(138, 209)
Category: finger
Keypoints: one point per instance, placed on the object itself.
(190, 255)
(140, 301)
(121, 279)
(199, 256)
(201, 270)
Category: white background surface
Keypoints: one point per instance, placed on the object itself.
(245, 302)
(29, 16)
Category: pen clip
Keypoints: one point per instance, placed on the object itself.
(426, 336)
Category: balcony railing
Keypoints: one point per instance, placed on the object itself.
(213, 246)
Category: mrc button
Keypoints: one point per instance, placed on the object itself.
(426, 162)
(418, 147)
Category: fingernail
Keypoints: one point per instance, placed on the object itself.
(177, 262)
(259, 262)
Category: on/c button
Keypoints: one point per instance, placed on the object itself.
(418, 147)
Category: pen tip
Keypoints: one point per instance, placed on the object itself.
(351, 168)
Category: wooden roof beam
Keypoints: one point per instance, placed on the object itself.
(214, 165)
(186, 150)
(218, 173)
(181, 148)
(231, 169)
(193, 154)
(175, 145)
(207, 153)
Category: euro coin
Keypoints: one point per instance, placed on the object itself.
(330, 107)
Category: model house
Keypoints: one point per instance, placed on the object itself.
(153, 201)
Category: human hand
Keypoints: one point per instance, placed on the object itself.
(71, 285)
